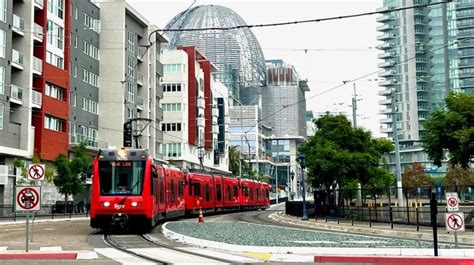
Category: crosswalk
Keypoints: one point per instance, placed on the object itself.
(175, 256)
(172, 256)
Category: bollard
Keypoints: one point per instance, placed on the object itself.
(417, 220)
(391, 216)
(370, 218)
(434, 221)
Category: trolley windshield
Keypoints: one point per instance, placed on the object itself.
(121, 177)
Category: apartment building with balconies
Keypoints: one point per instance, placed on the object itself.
(130, 73)
(427, 56)
(85, 76)
(195, 111)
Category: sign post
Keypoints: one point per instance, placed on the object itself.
(27, 199)
(454, 220)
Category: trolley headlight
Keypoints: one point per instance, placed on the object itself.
(134, 204)
(106, 204)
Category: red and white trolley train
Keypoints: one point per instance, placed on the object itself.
(131, 189)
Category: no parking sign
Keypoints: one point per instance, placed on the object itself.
(27, 199)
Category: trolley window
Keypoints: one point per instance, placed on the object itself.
(218, 192)
(228, 193)
(121, 177)
(208, 193)
(236, 191)
(181, 189)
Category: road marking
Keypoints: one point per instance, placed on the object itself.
(3, 248)
(86, 254)
(51, 249)
(316, 242)
(172, 256)
(259, 255)
(120, 256)
(222, 255)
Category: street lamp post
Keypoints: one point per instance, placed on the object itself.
(301, 160)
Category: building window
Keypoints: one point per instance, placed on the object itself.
(54, 59)
(91, 23)
(2, 111)
(171, 150)
(90, 50)
(131, 42)
(90, 106)
(129, 113)
(56, 7)
(55, 35)
(131, 66)
(173, 68)
(131, 92)
(53, 123)
(76, 13)
(3, 42)
(171, 87)
(3, 10)
(171, 127)
(90, 78)
(2, 80)
(171, 106)
(54, 91)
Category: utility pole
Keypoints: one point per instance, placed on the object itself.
(398, 169)
(354, 108)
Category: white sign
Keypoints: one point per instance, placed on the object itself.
(27, 199)
(452, 201)
(455, 222)
(36, 171)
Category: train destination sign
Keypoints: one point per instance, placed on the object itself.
(27, 199)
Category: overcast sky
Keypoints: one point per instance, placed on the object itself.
(337, 50)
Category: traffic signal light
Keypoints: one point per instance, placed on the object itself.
(127, 134)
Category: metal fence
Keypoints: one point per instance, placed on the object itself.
(8, 213)
(383, 205)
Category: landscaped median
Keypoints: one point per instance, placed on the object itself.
(246, 237)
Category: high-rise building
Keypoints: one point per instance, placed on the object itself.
(425, 54)
(195, 105)
(130, 76)
(85, 76)
(284, 89)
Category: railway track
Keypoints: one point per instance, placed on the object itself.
(131, 242)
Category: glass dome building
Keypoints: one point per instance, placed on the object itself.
(236, 53)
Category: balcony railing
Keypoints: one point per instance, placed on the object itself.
(37, 65)
(140, 103)
(141, 53)
(36, 99)
(200, 103)
(200, 122)
(215, 112)
(17, 59)
(76, 138)
(39, 3)
(140, 78)
(16, 94)
(38, 32)
(18, 24)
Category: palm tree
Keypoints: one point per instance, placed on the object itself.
(234, 157)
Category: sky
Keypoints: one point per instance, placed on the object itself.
(338, 50)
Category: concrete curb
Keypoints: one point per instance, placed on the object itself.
(444, 238)
(315, 250)
(39, 255)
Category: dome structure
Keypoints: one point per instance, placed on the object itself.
(236, 52)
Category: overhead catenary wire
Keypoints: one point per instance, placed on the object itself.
(352, 81)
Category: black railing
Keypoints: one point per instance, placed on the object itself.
(382, 205)
(8, 213)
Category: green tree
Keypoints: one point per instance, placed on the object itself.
(71, 173)
(339, 154)
(234, 158)
(451, 131)
(458, 176)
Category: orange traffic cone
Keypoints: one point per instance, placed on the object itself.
(201, 217)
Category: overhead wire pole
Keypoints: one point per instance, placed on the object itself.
(398, 168)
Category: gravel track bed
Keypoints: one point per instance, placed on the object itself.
(243, 233)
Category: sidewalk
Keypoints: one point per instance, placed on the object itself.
(379, 229)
